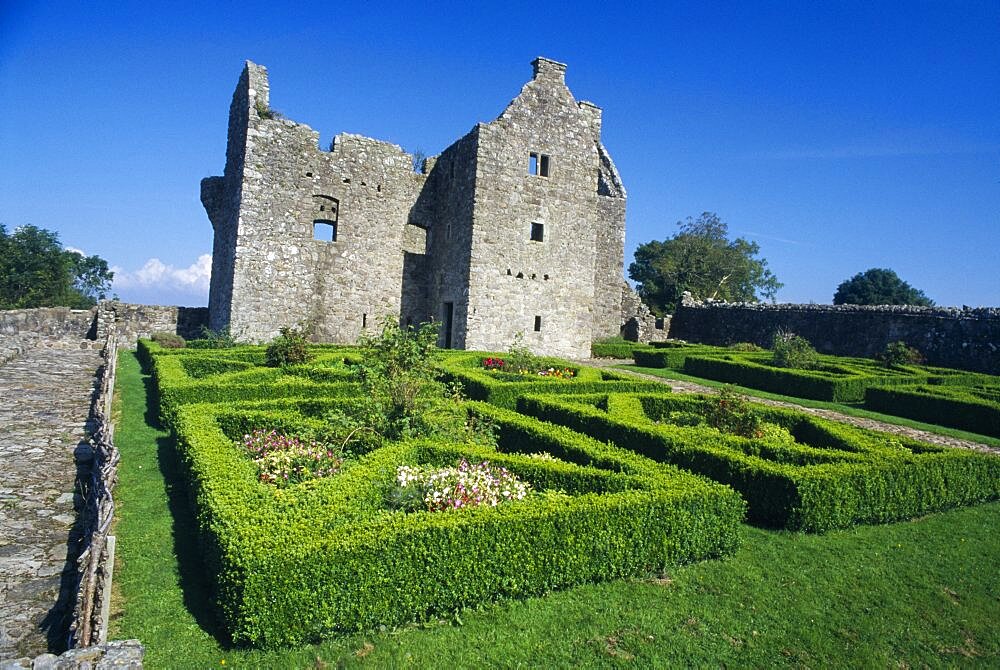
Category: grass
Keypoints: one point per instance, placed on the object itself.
(843, 408)
(917, 593)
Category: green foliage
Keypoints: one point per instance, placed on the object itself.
(833, 476)
(900, 353)
(213, 339)
(168, 340)
(35, 271)
(519, 359)
(672, 357)
(615, 347)
(504, 391)
(879, 286)
(265, 112)
(732, 413)
(973, 408)
(744, 346)
(793, 351)
(290, 347)
(703, 260)
(329, 556)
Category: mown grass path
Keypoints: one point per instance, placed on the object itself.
(918, 593)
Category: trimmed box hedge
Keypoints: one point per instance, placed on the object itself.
(503, 390)
(837, 379)
(672, 357)
(237, 375)
(325, 556)
(841, 476)
(976, 409)
(616, 349)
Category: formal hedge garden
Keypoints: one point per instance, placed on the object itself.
(352, 491)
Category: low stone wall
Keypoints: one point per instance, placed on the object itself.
(21, 329)
(130, 321)
(119, 655)
(967, 339)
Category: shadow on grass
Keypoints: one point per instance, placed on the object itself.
(195, 583)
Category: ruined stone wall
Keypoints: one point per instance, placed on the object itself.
(517, 283)
(452, 243)
(281, 274)
(131, 321)
(448, 201)
(967, 339)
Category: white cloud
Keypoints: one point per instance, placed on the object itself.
(159, 283)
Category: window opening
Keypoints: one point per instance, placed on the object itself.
(364, 320)
(449, 317)
(538, 324)
(538, 164)
(537, 232)
(325, 230)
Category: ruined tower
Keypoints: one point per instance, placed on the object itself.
(519, 226)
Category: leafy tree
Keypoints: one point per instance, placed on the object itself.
(879, 286)
(35, 271)
(703, 260)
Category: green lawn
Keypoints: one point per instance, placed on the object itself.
(848, 409)
(920, 593)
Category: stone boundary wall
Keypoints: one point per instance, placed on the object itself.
(22, 329)
(130, 321)
(966, 338)
(96, 560)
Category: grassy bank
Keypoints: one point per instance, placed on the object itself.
(923, 592)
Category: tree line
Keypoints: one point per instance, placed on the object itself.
(702, 260)
(36, 271)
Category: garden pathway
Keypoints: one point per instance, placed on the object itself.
(45, 396)
(690, 387)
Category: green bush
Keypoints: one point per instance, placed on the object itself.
(730, 412)
(744, 346)
(832, 476)
(168, 340)
(673, 357)
(328, 556)
(615, 347)
(478, 384)
(899, 353)
(793, 351)
(213, 339)
(290, 347)
(976, 409)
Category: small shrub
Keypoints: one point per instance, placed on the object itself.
(265, 112)
(899, 353)
(730, 412)
(213, 339)
(744, 346)
(168, 340)
(793, 351)
(519, 359)
(290, 347)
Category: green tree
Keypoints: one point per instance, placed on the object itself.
(35, 271)
(879, 286)
(703, 260)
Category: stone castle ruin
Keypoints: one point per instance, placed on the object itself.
(518, 227)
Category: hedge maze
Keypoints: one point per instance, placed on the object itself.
(626, 480)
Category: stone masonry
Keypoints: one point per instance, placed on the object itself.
(519, 226)
(45, 396)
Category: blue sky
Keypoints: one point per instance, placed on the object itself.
(840, 136)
